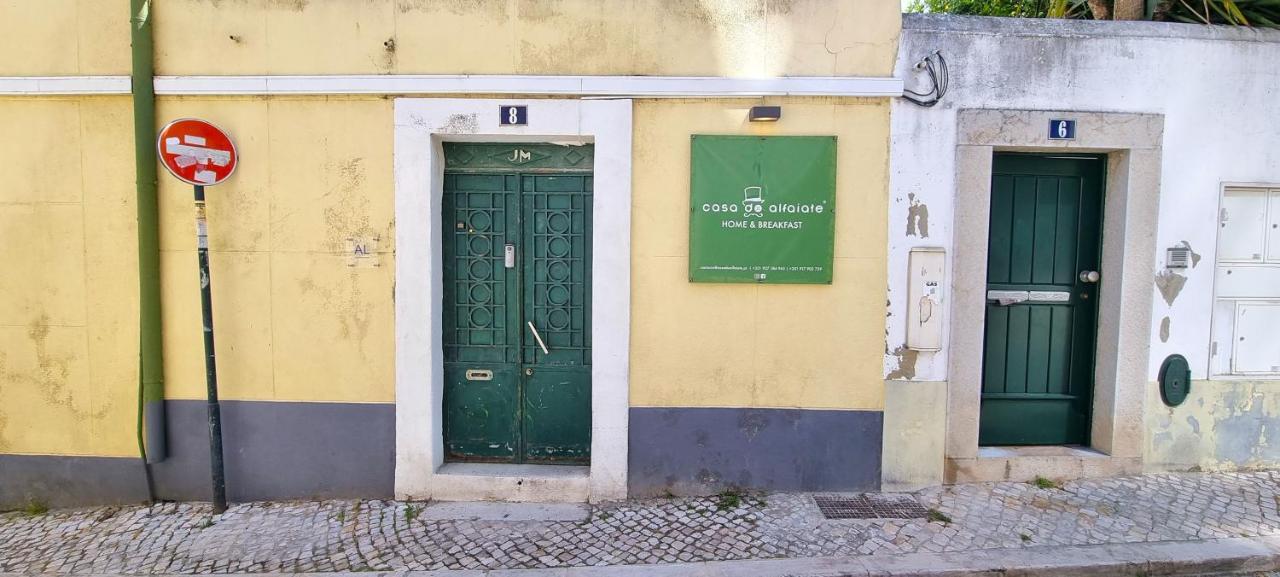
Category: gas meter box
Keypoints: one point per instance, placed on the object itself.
(925, 290)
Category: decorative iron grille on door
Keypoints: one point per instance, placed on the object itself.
(517, 302)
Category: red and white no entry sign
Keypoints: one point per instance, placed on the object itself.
(196, 152)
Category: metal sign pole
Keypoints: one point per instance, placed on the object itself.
(210, 368)
(199, 154)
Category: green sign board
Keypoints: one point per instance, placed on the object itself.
(762, 209)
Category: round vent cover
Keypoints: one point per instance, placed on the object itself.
(1175, 380)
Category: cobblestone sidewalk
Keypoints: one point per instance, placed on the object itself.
(388, 535)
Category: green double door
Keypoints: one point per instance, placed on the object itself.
(1042, 298)
(517, 303)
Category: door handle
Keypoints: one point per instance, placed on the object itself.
(538, 337)
(1089, 276)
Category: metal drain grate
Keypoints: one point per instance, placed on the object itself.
(869, 507)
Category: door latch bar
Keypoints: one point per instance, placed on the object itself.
(538, 337)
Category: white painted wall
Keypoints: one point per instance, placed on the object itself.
(1218, 88)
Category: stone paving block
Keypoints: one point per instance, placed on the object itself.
(384, 535)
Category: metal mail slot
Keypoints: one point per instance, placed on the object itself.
(1049, 296)
(1006, 298)
(479, 375)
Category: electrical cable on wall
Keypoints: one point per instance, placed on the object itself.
(936, 67)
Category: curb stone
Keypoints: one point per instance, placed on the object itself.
(1165, 558)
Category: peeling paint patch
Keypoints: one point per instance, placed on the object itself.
(461, 124)
(54, 371)
(348, 215)
(1164, 330)
(1195, 256)
(1232, 425)
(906, 363)
(1240, 433)
(537, 10)
(1170, 285)
(51, 376)
(917, 218)
(752, 422)
(420, 122)
(295, 5)
(389, 55)
(492, 10)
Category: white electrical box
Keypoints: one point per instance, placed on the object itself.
(1256, 350)
(926, 288)
(1246, 307)
(1243, 224)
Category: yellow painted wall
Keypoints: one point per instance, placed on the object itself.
(643, 37)
(646, 37)
(293, 320)
(64, 37)
(68, 294)
(746, 345)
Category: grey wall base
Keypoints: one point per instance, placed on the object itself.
(690, 451)
(70, 481)
(281, 450)
(273, 451)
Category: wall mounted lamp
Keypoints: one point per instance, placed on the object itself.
(765, 113)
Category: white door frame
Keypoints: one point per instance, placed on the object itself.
(421, 125)
(1132, 143)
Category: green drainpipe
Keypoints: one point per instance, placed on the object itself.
(151, 421)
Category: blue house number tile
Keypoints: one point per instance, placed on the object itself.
(513, 115)
(1062, 129)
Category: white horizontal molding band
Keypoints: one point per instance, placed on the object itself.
(605, 86)
(63, 85)
(462, 85)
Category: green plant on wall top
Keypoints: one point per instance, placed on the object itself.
(1261, 13)
(1067, 9)
(1011, 8)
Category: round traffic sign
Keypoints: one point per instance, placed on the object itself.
(196, 152)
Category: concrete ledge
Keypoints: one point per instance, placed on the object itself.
(1024, 464)
(490, 511)
(520, 483)
(1060, 27)
(1216, 556)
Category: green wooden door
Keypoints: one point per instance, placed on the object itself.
(1037, 374)
(517, 303)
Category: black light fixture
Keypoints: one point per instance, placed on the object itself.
(765, 114)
